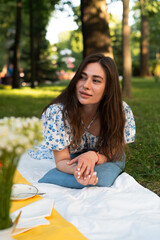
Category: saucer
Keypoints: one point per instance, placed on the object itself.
(23, 191)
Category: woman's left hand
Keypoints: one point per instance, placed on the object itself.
(86, 163)
(89, 180)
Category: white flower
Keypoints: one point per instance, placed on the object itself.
(9, 148)
(18, 134)
(19, 150)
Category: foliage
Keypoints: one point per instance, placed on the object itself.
(41, 16)
(77, 16)
(69, 45)
(155, 69)
(16, 135)
(76, 41)
(49, 60)
(152, 10)
(70, 42)
(7, 29)
(42, 13)
(149, 7)
(115, 25)
(154, 23)
(135, 38)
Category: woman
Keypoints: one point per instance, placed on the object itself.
(85, 127)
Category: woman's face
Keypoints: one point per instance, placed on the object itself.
(90, 87)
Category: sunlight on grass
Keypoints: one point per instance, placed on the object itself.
(52, 92)
(26, 101)
(5, 86)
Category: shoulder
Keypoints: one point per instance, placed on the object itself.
(54, 109)
(130, 128)
(55, 133)
(126, 107)
(127, 110)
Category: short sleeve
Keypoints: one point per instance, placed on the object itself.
(55, 134)
(130, 128)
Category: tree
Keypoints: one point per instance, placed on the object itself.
(116, 37)
(16, 80)
(154, 36)
(144, 53)
(43, 11)
(35, 52)
(127, 63)
(7, 31)
(149, 11)
(32, 55)
(95, 27)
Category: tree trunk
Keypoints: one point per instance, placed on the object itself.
(144, 54)
(95, 28)
(39, 71)
(127, 62)
(32, 55)
(16, 79)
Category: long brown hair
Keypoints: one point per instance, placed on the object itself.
(112, 117)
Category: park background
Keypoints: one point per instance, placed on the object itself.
(34, 70)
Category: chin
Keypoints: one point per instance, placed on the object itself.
(84, 102)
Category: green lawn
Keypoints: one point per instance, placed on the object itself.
(144, 162)
(28, 102)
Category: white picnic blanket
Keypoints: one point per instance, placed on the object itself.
(125, 211)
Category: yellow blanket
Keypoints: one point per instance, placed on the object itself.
(58, 229)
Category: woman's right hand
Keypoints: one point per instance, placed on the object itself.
(89, 180)
(85, 163)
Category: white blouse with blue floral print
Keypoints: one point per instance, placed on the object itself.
(57, 136)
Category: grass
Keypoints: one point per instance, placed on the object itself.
(27, 102)
(144, 162)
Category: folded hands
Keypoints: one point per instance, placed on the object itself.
(84, 172)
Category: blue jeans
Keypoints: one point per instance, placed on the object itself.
(106, 173)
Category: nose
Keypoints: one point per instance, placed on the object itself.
(87, 83)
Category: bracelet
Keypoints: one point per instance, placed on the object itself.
(97, 156)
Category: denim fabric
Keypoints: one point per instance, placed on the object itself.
(106, 173)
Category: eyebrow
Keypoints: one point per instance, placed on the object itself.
(97, 76)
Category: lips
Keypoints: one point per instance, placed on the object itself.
(84, 94)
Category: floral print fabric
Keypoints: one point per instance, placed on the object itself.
(57, 135)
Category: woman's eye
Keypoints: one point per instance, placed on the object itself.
(83, 77)
(96, 80)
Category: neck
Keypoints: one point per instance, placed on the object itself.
(89, 110)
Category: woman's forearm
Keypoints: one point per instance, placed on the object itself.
(102, 158)
(63, 167)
